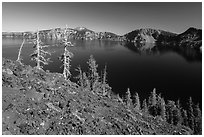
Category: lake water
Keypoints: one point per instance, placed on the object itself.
(175, 73)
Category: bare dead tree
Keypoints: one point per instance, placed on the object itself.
(19, 52)
(66, 57)
(39, 54)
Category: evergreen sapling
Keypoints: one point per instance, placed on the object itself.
(136, 101)
(128, 99)
(190, 113)
(144, 107)
(93, 74)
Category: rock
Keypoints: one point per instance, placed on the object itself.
(6, 133)
(50, 105)
(8, 71)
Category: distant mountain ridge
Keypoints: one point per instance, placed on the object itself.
(191, 37)
(78, 33)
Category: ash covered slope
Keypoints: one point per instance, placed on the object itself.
(38, 102)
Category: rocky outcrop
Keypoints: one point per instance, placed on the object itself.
(147, 35)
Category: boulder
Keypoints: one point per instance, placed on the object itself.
(8, 71)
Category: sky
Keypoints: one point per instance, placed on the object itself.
(116, 17)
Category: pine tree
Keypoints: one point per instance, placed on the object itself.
(105, 75)
(136, 100)
(39, 54)
(185, 117)
(169, 111)
(80, 77)
(93, 67)
(190, 113)
(179, 109)
(86, 81)
(128, 99)
(93, 74)
(144, 107)
(153, 98)
(176, 116)
(153, 110)
(162, 108)
(105, 86)
(174, 113)
(104, 82)
(197, 120)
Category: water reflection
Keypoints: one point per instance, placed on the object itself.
(189, 54)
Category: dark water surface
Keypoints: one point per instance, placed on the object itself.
(176, 74)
